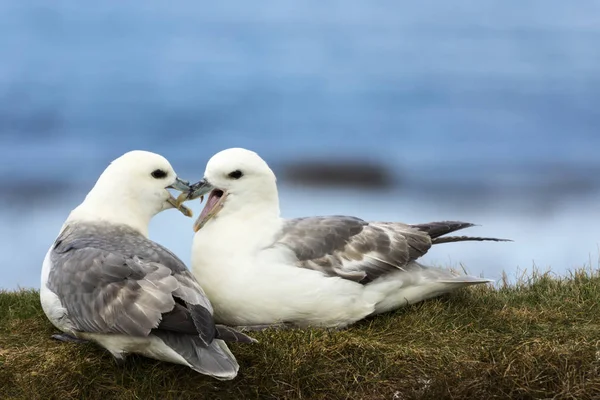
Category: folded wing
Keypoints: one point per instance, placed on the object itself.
(362, 251)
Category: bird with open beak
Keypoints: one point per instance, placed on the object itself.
(327, 271)
(214, 204)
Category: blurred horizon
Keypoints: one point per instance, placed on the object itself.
(400, 112)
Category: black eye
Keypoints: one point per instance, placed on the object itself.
(159, 174)
(237, 174)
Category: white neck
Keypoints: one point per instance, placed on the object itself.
(248, 221)
(253, 205)
(115, 208)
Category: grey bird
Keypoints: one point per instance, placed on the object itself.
(327, 271)
(104, 280)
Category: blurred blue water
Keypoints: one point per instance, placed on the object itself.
(488, 110)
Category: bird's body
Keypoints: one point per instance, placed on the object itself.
(104, 280)
(326, 271)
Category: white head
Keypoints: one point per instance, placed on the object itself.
(132, 190)
(237, 180)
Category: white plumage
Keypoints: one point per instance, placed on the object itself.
(103, 280)
(259, 269)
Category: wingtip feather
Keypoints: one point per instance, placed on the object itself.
(229, 334)
(452, 239)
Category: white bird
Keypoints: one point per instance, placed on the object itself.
(103, 280)
(261, 270)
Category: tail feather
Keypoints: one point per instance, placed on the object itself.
(443, 275)
(215, 360)
(465, 280)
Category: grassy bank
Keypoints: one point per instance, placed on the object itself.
(538, 339)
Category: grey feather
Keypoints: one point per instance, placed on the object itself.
(215, 360)
(111, 279)
(452, 239)
(229, 334)
(437, 229)
(354, 249)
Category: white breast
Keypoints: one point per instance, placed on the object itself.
(51, 304)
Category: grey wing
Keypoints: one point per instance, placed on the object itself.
(189, 289)
(108, 292)
(194, 307)
(351, 248)
(192, 303)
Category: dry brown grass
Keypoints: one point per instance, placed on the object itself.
(537, 340)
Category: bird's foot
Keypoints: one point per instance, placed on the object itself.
(65, 337)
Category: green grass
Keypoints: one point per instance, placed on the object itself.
(538, 339)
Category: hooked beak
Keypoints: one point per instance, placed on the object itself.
(182, 186)
(198, 189)
(214, 204)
